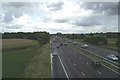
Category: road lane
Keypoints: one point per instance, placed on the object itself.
(56, 66)
(78, 65)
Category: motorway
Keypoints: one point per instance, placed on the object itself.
(71, 63)
(97, 50)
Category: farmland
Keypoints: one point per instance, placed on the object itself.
(15, 43)
(16, 60)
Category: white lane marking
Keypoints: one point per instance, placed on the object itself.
(99, 72)
(83, 74)
(51, 64)
(74, 64)
(111, 69)
(87, 63)
(63, 68)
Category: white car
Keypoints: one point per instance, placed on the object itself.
(54, 54)
(84, 46)
(113, 57)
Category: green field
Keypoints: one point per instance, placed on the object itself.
(15, 61)
(22, 61)
(109, 45)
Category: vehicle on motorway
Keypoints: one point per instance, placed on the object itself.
(54, 54)
(118, 56)
(61, 44)
(84, 46)
(65, 44)
(57, 46)
(75, 43)
(54, 41)
(112, 57)
(96, 63)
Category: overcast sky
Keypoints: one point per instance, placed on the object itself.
(65, 16)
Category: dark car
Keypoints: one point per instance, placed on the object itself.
(118, 56)
(96, 63)
(61, 44)
(75, 43)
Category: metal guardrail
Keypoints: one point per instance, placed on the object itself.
(111, 64)
(99, 55)
(103, 58)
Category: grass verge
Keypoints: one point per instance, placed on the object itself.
(15, 61)
(40, 65)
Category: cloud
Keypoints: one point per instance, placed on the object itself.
(20, 4)
(55, 6)
(108, 8)
(17, 9)
(61, 20)
(59, 16)
(88, 21)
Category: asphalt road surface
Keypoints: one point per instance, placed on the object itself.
(97, 50)
(71, 63)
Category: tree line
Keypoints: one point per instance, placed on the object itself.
(94, 38)
(41, 37)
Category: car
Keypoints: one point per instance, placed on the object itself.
(112, 57)
(57, 46)
(54, 54)
(61, 44)
(118, 56)
(84, 46)
(96, 63)
(65, 44)
(75, 43)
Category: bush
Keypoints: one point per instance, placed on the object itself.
(117, 43)
(96, 39)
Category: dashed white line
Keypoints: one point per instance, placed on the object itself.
(63, 68)
(87, 63)
(83, 74)
(99, 72)
(79, 57)
(74, 64)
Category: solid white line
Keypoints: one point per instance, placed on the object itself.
(99, 72)
(110, 69)
(63, 68)
(83, 74)
(51, 65)
(102, 64)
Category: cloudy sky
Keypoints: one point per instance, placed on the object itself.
(65, 16)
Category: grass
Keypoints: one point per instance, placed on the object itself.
(110, 45)
(40, 65)
(95, 58)
(13, 43)
(15, 61)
